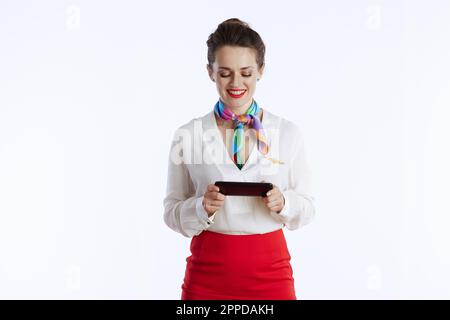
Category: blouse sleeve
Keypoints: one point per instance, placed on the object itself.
(299, 208)
(183, 211)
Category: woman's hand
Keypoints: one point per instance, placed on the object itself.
(213, 200)
(274, 200)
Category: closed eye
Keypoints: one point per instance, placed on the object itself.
(244, 75)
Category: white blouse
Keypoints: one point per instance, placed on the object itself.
(198, 157)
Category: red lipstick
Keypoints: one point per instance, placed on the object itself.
(236, 96)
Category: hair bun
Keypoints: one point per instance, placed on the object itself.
(236, 21)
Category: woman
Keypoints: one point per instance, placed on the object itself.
(238, 249)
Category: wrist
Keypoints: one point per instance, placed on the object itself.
(206, 210)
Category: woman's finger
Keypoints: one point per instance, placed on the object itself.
(219, 196)
(215, 196)
(212, 187)
(274, 203)
(273, 193)
(274, 197)
(216, 203)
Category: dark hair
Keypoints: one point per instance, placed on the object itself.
(235, 32)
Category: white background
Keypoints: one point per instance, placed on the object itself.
(92, 91)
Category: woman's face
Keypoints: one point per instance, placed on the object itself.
(235, 72)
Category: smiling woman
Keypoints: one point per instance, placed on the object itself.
(238, 248)
(235, 62)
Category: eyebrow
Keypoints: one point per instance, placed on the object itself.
(231, 69)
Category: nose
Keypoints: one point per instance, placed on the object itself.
(236, 81)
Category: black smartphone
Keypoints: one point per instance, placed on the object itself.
(252, 189)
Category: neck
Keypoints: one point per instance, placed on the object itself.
(242, 109)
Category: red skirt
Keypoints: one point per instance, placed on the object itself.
(238, 267)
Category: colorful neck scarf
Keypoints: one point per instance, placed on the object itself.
(250, 119)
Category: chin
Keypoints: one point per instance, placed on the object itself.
(235, 103)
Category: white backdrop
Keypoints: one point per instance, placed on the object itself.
(92, 91)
